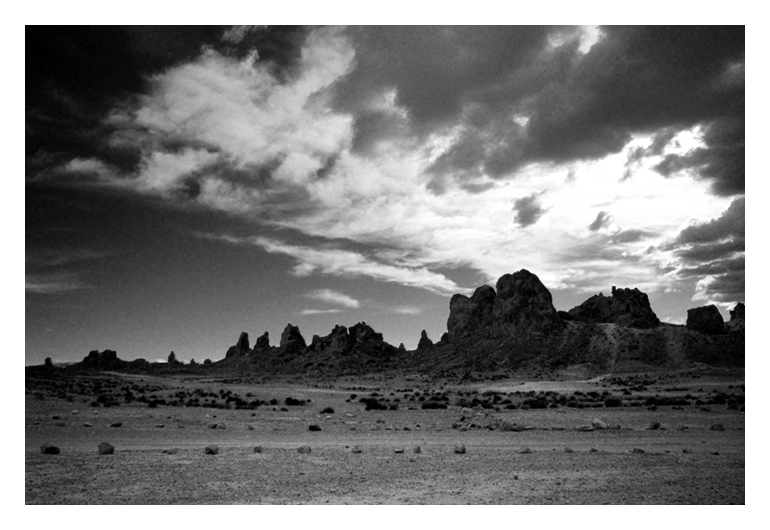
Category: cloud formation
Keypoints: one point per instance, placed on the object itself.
(333, 297)
(528, 210)
(602, 219)
(713, 254)
(412, 143)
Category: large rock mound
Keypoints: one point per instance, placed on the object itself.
(105, 359)
(625, 307)
(521, 304)
(706, 319)
(524, 302)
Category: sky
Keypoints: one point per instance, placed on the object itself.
(184, 184)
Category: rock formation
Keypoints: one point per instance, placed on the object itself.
(105, 359)
(706, 319)
(523, 300)
(240, 348)
(625, 307)
(425, 342)
(738, 313)
(521, 304)
(467, 315)
(262, 343)
(292, 341)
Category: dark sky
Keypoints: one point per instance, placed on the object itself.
(186, 183)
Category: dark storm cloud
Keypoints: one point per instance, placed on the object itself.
(655, 80)
(528, 210)
(730, 225)
(75, 75)
(602, 218)
(722, 159)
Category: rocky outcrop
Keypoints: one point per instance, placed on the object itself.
(738, 313)
(425, 342)
(467, 315)
(706, 319)
(263, 342)
(105, 359)
(625, 307)
(520, 304)
(241, 347)
(524, 302)
(292, 341)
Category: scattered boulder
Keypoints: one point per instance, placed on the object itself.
(526, 451)
(637, 450)
(48, 449)
(717, 427)
(356, 449)
(173, 451)
(459, 449)
(687, 451)
(211, 450)
(86, 424)
(314, 428)
(258, 449)
(417, 450)
(398, 450)
(117, 424)
(303, 449)
(569, 450)
(599, 425)
(654, 426)
(584, 428)
(706, 319)
(106, 448)
(625, 307)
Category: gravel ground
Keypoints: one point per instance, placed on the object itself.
(683, 461)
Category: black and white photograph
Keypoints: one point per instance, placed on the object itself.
(385, 265)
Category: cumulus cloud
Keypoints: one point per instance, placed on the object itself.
(333, 297)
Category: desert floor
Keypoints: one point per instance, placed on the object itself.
(543, 460)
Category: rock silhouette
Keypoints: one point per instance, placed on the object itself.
(706, 319)
(512, 327)
(626, 307)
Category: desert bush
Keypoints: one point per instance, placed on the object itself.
(327, 410)
(433, 405)
(293, 402)
(612, 402)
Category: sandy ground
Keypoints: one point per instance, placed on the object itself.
(683, 461)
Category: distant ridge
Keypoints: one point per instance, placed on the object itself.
(513, 327)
